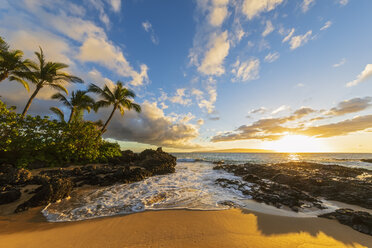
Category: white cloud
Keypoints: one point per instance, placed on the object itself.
(99, 80)
(179, 97)
(261, 110)
(214, 57)
(327, 25)
(205, 102)
(341, 63)
(101, 51)
(343, 2)
(252, 8)
(152, 126)
(89, 38)
(300, 40)
(247, 70)
(300, 85)
(271, 57)
(306, 4)
(268, 29)
(280, 109)
(364, 75)
(115, 4)
(200, 122)
(149, 29)
(290, 34)
(218, 12)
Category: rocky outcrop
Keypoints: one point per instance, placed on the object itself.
(56, 189)
(333, 182)
(157, 162)
(358, 220)
(58, 183)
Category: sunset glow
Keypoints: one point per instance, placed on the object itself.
(297, 144)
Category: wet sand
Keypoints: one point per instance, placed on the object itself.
(179, 228)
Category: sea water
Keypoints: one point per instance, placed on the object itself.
(192, 187)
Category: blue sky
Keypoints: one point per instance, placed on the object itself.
(211, 74)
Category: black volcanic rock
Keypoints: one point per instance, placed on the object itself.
(56, 189)
(333, 182)
(157, 162)
(9, 194)
(358, 220)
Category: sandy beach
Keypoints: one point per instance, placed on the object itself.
(179, 228)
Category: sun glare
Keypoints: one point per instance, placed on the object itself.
(297, 144)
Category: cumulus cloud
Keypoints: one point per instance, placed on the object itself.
(152, 126)
(115, 4)
(212, 63)
(300, 40)
(179, 98)
(271, 57)
(252, 8)
(218, 12)
(206, 101)
(246, 70)
(268, 28)
(306, 5)
(327, 25)
(363, 76)
(341, 63)
(103, 52)
(147, 26)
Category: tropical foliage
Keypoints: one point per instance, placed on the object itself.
(46, 74)
(119, 98)
(12, 64)
(32, 141)
(36, 141)
(78, 103)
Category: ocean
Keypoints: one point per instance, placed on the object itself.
(191, 187)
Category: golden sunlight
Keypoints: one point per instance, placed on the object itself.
(297, 143)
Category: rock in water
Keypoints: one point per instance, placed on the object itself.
(157, 162)
(56, 189)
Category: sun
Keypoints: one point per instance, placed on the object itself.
(297, 144)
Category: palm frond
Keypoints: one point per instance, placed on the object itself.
(58, 87)
(20, 80)
(58, 112)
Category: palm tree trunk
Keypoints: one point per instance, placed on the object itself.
(30, 101)
(71, 115)
(108, 120)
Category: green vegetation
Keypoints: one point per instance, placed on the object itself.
(120, 98)
(34, 141)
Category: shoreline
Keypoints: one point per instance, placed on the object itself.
(179, 228)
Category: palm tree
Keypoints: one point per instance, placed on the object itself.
(78, 102)
(120, 98)
(12, 65)
(59, 113)
(45, 73)
(3, 45)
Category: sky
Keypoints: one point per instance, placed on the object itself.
(287, 75)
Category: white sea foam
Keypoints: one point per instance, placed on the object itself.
(191, 187)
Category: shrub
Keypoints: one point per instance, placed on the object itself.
(40, 142)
